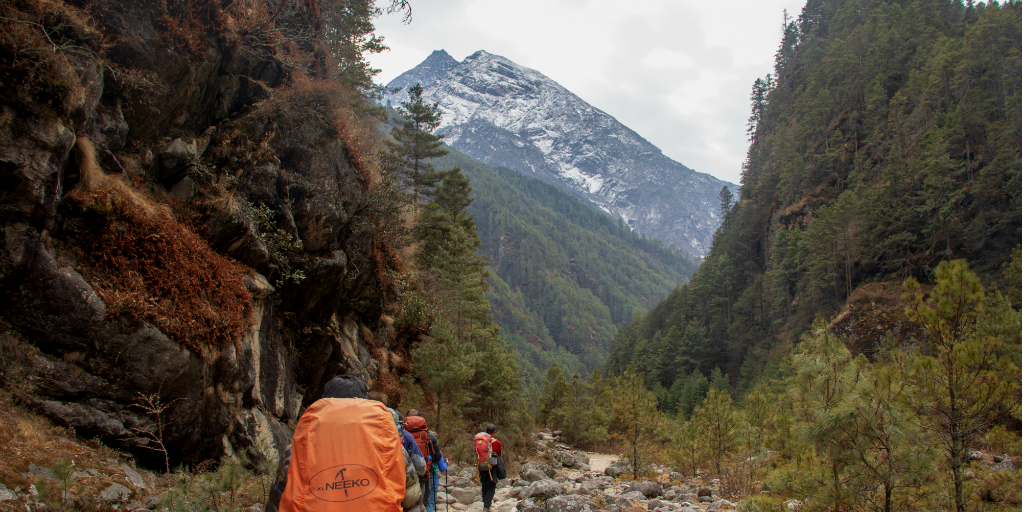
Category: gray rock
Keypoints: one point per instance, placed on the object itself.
(1004, 465)
(133, 476)
(647, 488)
(533, 475)
(614, 471)
(35, 470)
(468, 472)
(567, 504)
(529, 505)
(537, 465)
(544, 489)
(655, 504)
(465, 496)
(115, 492)
(152, 502)
(634, 496)
(461, 482)
(595, 484)
(5, 495)
(721, 505)
(704, 491)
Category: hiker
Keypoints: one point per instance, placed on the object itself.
(426, 440)
(349, 455)
(487, 446)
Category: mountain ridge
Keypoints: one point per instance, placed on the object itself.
(504, 114)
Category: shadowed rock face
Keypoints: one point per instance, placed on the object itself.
(503, 114)
(92, 370)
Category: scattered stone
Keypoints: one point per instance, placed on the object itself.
(465, 496)
(35, 470)
(116, 492)
(469, 472)
(655, 504)
(567, 504)
(459, 506)
(529, 505)
(5, 495)
(647, 488)
(32, 491)
(152, 502)
(1004, 465)
(544, 489)
(794, 505)
(133, 476)
(721, 505)
(634, 496)
(675, 477)
(545, 468)
(704, 491)
(533, 475)
(93, 471)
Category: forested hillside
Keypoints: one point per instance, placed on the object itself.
(852, 341)
(886, 141)
(564, 276)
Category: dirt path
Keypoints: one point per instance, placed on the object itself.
(600, 461)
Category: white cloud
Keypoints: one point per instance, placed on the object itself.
(678, 72)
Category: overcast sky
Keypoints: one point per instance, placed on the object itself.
(678, 72)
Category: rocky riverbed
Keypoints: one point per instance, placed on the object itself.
(566, 480)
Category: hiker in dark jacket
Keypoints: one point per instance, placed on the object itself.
(488, 484)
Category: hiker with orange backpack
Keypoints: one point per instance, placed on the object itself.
(347, 455)
(426, 440)
(488, 449)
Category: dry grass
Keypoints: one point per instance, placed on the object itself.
(40, 41)
(148, 265)
(30, 439)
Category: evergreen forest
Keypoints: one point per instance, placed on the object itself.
(563, 277)
(853, 338)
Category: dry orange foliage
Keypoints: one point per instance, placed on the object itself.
(154, 268)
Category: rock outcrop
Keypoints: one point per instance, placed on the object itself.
(193, 147)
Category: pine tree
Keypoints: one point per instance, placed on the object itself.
(965, 375)
(716, 420)
(414, 143)
(636, 420)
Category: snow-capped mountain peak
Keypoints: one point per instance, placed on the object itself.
(501, 113)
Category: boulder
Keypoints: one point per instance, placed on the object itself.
(544, 489)
(465, 496)
(655, 504)
(704, 491)
(533, 475)
(567, 504)
(647, 488)
(529, 505)
(537, 465)
(634, 496)
(115, 492)
(721, 505)
(614, 471)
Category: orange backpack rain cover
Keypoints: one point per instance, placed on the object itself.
(346, 455)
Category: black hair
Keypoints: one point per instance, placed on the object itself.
(346, 387)
(491, 428)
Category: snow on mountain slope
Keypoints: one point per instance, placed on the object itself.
(501, 113)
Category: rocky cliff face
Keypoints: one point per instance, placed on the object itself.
(503, 114)
(132, 263)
